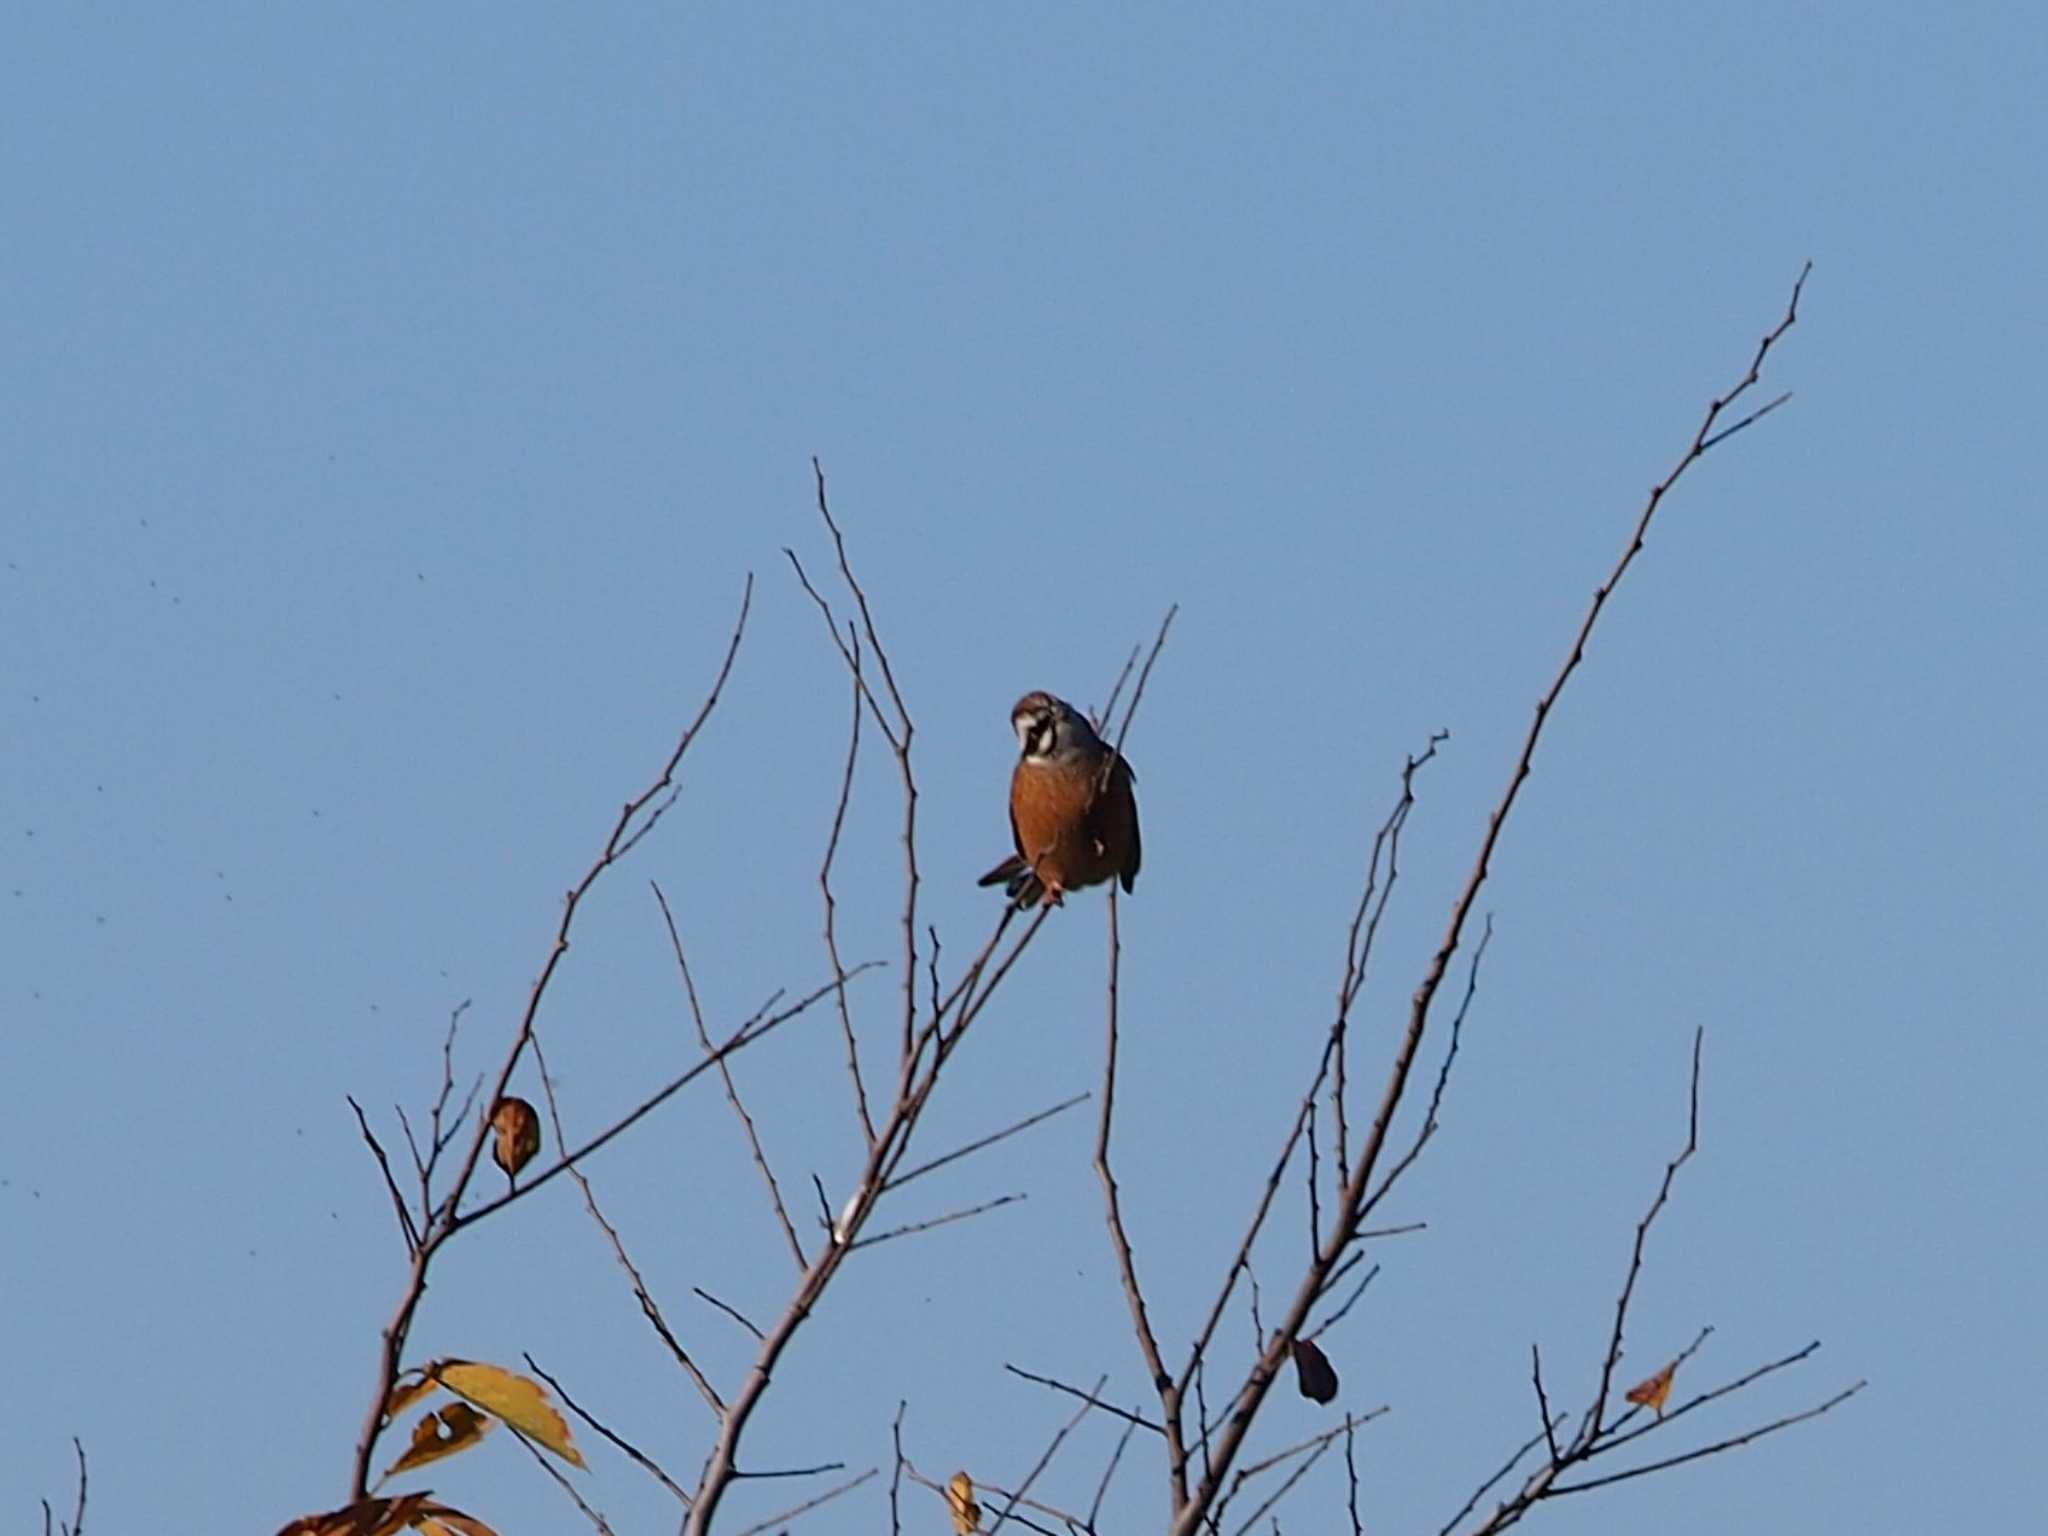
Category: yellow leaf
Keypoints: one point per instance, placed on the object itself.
(455, 1428)
(519, 1401)
(960, 1499)
(1654, 1392)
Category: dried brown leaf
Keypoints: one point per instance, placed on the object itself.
(1313, 1372)
(455, 1428)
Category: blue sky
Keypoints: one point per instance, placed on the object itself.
(397, 400)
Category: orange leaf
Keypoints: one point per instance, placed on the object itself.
(1653, 1392)
(960, 1499)
(365, 1517)
(387, 1517)
(1313, 1372)
(518, 1135)
(405, 1393)
(455, 1428)
(440, 1520)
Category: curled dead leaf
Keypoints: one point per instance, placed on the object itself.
(455, 1428)
(960, 1499)
(405, 1393)
(1313, 1373)
(1656, 1391)
(516, 1128)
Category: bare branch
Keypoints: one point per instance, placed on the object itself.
(732, 1092)
(1443, 1077)
(633, 1453)
(776, 1522)
(1715, 1449)
(732, 1312)
(738, 1040)
(1170, 1392)
(648, 1307)
(1136, 1419)
(899, 738)
(896, 1477)
(897, 1181)
(1313, 1448)
(1635, 1262)
(1337, 1316)
(1547, 1432)
(546, 1464)
(443, 1222)
(860, 1091)
(1543, 1401)
(1115, 1456)
(405, 1223)
(1191, 1514)
(1046, 1459)
(818, 1470)
(1364, 931)
(1351, 1472)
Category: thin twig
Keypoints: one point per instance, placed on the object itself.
(776, 1522)
(649, 1309)
(896, 1477)
(744, 1036)
(730, 1311)
(1543, 1400)
(1711, 1450)
(1506, 1467)
(936, 1221)
(1635, 1262)
(1045, 1460)
(1351, 1472)
(1136, 1419)
(1170, 1392)
(897, 1181)
(547, 1465)
(633, 1453)
(1337, 1316)
(1443, 1076)
(1099, 722)
(1115, 1456)
(405, 1223)
(860, 1091)
(732, 1092)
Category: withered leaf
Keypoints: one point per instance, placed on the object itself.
(387, 1517)
(517, 1130)
(455, 1428)
(960, 1499)
(1654, 1392)
(1313, 1372)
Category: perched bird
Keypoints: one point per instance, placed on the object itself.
(516, 1136)
(1072, 813)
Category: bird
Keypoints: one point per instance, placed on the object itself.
(1072, 814)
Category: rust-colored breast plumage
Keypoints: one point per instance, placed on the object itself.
(1072, 830)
